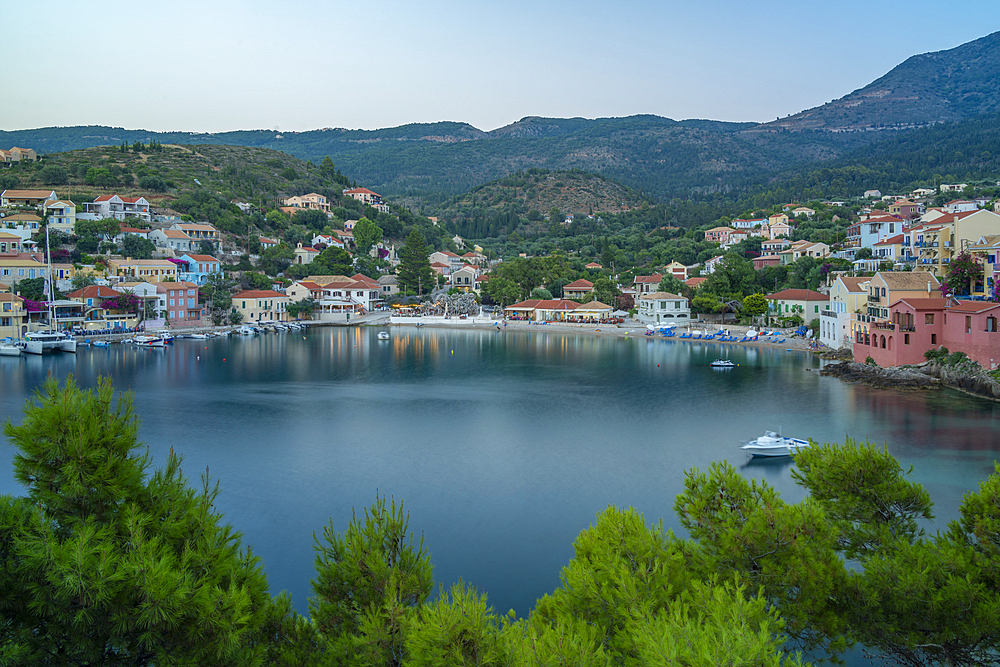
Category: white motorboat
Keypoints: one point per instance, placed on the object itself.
(383, 335)
(39, 342)
(723, 363)
(10, 349)
(200, 336)
(148, 341)
(101, 343)
(246, 330)
(774, 444)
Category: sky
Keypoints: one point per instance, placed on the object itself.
(296, 65)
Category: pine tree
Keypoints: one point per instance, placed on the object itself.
(101, 564)
(415, 271)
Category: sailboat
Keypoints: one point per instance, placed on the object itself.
(38, 342)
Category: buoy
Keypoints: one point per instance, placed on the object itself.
(657, 365)
(223, 358)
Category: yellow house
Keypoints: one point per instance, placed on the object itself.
(15, 269)
(148, 270)
(13, 317)
(939, 243)
(261, 305)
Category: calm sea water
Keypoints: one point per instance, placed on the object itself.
(503, 445)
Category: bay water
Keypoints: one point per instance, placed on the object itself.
(503, 446)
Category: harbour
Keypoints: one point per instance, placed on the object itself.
(503, 445)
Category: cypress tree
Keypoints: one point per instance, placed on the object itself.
(415, 271)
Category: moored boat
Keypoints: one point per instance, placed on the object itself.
(39, 342)
(148, 341)
(774, 444)
(723, 363)
(383, 335)
(10, 349)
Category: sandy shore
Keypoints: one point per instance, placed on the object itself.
(630, 329)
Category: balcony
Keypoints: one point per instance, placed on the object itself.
(887, 326)
(908, 328)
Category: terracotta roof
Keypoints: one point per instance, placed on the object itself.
(799, 295)
(203, 258)
(854, 284)
(694, 282)
(26, 194)
(358, 191)
(594, 265)
(257, 294)
(925, 303)
(579, 284)
(263, 239)
(974, 306)
(655, 278)
(556, 304)
(306, 248)
(439, 265)
(133, 230)
(176, 234)
(94, 291)
(892, 240)
(309, 285)
(7, 296)
(908, 280)
(525, 305)
(181, 284)
(594, 305)
(362, 279)
(657, 296)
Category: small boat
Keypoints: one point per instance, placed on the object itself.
(383, 335)
(722, 363)
(10, 349)
(101, 343)
(774, 444)
(168, 338)
(199, 336)
(148, 341)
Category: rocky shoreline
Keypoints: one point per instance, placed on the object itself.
(965, 377)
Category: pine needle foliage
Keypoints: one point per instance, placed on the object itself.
(100, 564)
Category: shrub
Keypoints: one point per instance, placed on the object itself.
(870, 362)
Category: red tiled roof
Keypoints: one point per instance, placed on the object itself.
(655, 278)
(694, 282)
(257, 294)
(94, 291)
(974, 306)
(799, 295)
(898, 238)
(579, 284)
(203, 258)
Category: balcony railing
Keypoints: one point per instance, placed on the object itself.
(888, 326)
(907, 328)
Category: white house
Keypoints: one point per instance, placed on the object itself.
(118, 207)
(174, 239)
(663, 307)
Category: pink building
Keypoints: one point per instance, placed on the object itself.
(766, 260)
(919, 324)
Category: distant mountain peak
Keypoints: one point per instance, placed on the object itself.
(923, 90)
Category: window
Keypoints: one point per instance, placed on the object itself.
(933, 339)
(968, 324)
(190, 292)
(906, 339)
(815, 309)
(190, 303)
(991, 323)
(171, 301)
(928, 318)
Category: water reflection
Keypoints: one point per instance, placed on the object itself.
(504, 445)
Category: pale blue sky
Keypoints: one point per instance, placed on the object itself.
(210, 66)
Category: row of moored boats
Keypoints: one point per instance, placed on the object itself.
(40, 342)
